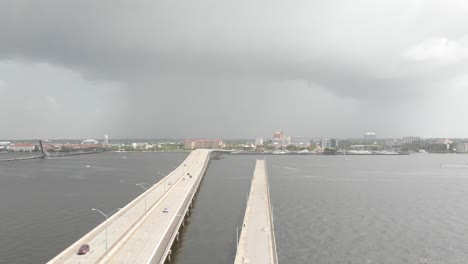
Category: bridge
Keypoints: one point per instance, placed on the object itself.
(257, 240)
(45, 154)
(145, 229)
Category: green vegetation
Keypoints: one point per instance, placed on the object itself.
(329, 151)
(428, 146)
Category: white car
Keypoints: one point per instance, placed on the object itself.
(166, 210)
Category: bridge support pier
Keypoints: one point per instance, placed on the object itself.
(169, 255)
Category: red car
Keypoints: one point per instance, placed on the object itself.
(83, 249)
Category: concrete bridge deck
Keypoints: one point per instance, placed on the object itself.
(257, 244)
(139, 234)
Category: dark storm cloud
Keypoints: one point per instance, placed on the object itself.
(251, 60)
(331, 43)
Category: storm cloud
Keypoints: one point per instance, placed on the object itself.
(233, 69)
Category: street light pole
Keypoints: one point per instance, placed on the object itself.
(106, 216)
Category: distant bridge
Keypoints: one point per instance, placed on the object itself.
(45, 154)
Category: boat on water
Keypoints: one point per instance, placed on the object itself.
(344, 153)
(279, 152)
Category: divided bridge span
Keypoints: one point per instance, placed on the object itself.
(143, 231)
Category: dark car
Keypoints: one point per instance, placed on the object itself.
(83, 249)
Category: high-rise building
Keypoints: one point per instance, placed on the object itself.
(329, 143)
(326, 143)
(278, 135)
(106, 139)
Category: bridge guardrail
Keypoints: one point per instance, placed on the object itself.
(181, 214)
(272, 229)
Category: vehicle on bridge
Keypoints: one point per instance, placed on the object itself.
(83, 249)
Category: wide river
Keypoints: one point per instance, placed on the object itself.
(368, 209)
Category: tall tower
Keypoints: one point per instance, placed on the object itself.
(106, 139)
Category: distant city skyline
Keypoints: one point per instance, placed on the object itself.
(410, 138)
(233, 69)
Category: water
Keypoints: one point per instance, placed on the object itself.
(210, 236)
(370, 209)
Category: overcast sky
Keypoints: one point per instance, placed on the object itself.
(233, 69)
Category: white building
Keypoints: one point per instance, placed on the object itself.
(106, 139)
(21, 147)
(258, 141)
(140, 146)
(5, 145)
(462, 147)
(411, 140)
(89, 142)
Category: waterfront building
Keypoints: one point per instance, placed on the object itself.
(462, 147)
(280, 140)
(140, 146)
(22, 147)
(411, 140)
(203, 144)
(329, 143)
(283, 142)
(250, 147)
(89, 142)
(106, 139)
(5, 145)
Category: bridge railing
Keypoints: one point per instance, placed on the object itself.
(272, 221)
